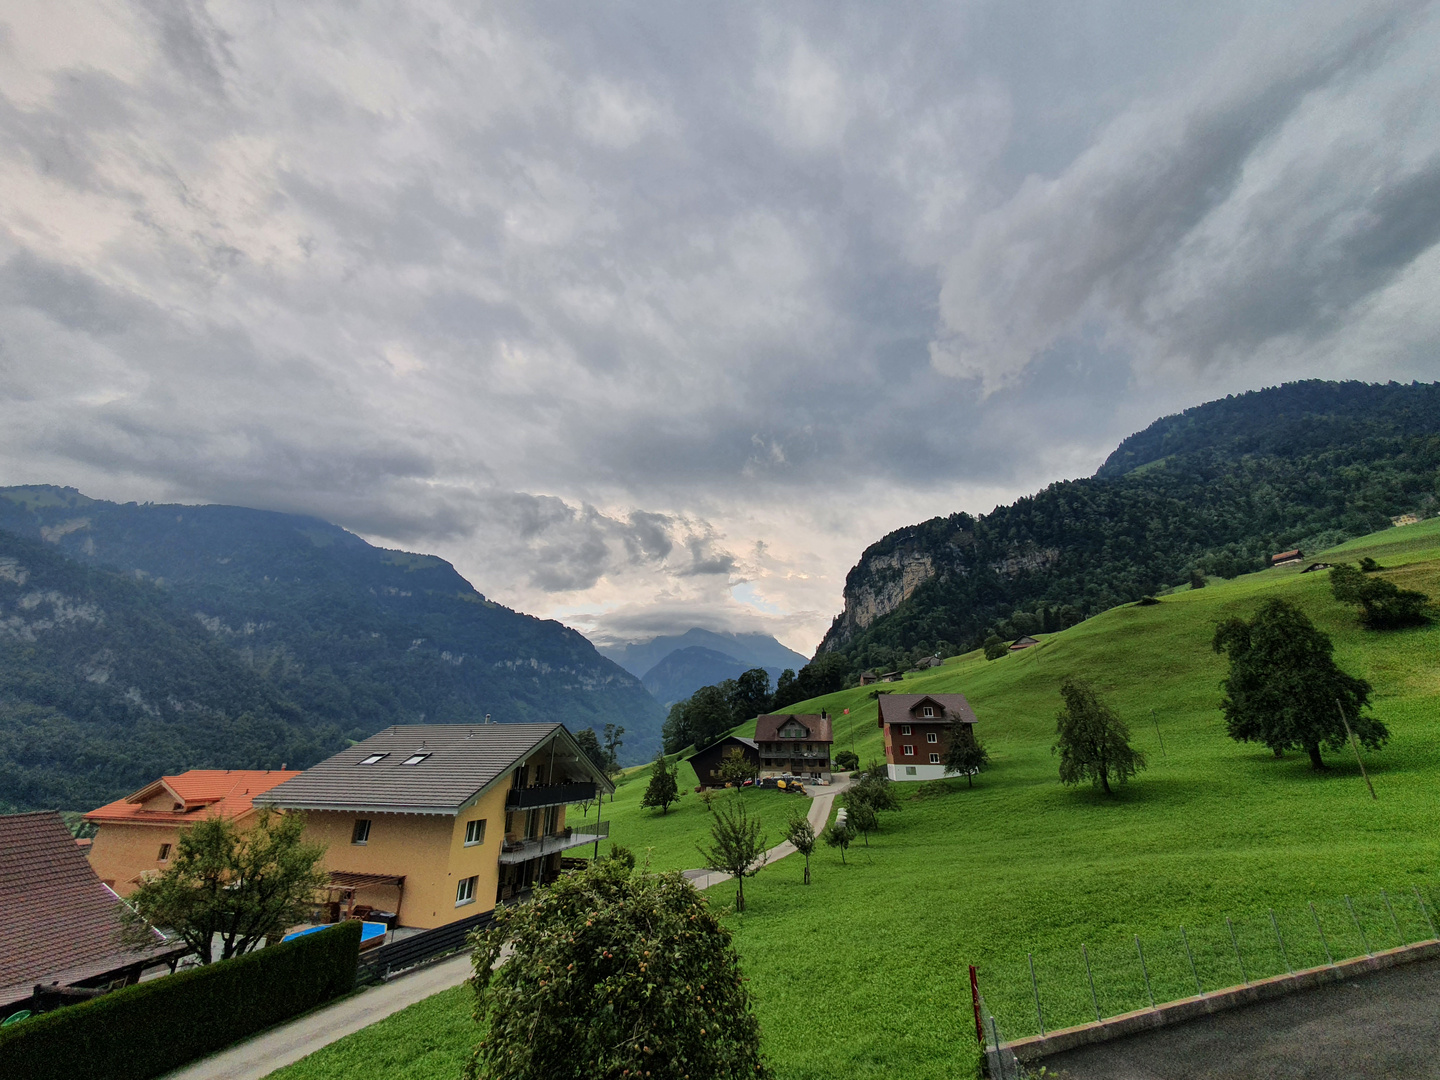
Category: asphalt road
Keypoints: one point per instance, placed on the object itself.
(1386, 1024)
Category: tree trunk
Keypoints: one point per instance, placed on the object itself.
(1279, 751)
(970, 779)
(807, 869)
(740, 893)
(1316, 762)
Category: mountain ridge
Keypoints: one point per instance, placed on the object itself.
(752, 650)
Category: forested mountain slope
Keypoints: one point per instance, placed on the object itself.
(353, 637)
(1216, 489)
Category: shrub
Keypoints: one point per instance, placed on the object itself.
(846, 760)
(153, 1027)
(613, 974)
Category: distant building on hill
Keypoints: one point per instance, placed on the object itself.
(707, 762)
(1285, 558)
(795, 743)
(1026, 642)
(918, 731)
(137, 835)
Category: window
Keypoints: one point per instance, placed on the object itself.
(361, 833)
(934, 759)
(373, 758)
(465, 892)
(552, 820)
(904, 729)
(909, 750)
(164, 853)
(909, 770)
(930, 736)
(929, 710)
(416, 758)
(474, 832)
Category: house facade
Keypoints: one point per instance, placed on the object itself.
(425, 824)
(919, 729)
(707, 762)
(137, 835)
(796, 743)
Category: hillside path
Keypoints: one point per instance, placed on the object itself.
(819, 814)
(280, 1046)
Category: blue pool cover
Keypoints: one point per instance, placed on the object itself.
(368, 932)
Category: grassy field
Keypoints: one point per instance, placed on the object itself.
(863, 973)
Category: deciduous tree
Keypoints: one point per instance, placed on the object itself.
(1284, 688)
(802, 834)
(238, 886)
(664, 787)
(590, 743)
(612, 975)
(1092, 740)
(736, 846)
(840, 834)
(736, 770)
(965, 755)
(1383, 604)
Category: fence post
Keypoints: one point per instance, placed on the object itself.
(1238, 959)
(1363, 939)
(1393, 921)
(975, 998)
(1093, 999)
(1035, 985)
(1145, 971)
(1321, 931)
(1283, 955)
(1356, 747)
(1191, 957)
(1424, 910)
(999, 1054)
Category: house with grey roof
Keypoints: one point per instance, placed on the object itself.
(919, 729)
(426, 824)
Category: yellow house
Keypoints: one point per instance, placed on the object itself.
(138, 834)
(439, 822)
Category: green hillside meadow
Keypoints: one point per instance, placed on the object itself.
(864, 972)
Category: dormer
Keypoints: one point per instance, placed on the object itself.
(927, 708)
(793, 729)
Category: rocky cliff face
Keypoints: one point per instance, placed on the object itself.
(877, 586)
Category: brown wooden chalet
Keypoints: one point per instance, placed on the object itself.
(1284, 558)
(918, 731)
(707, 762)
(796, 743)
(1026, 642)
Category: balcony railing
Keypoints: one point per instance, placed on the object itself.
(525, 850)
(815, 755)
(548, 795)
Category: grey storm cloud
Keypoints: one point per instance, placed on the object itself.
(643, 311)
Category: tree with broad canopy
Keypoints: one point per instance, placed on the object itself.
(1284, 688)
(1094, 743)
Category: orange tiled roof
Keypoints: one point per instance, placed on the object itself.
(201, 793)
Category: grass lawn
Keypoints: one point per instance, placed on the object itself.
(430, 1040)
(670, 839)
(863, 973)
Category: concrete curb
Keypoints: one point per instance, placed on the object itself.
(1032, 1050)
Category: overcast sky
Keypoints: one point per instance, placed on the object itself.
(655, 315)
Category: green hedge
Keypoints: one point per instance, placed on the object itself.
(153, 1027)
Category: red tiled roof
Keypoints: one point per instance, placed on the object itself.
(767, 728)
(902, 708)
(59, 918)
(202, 792)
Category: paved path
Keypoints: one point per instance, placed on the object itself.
(819, 814)
(1385, 1024)
(278, 1047)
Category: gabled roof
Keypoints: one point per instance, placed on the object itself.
(201, 793)
(61, 924)
(462, 760)
(767, 728)
(902, 709)
(729, 738)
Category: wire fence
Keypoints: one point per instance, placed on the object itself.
(1038, 993)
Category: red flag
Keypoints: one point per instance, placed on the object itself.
(847, 712)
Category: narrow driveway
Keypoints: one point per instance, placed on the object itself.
(278, 1047)
(1382, 1025)
(819, 814)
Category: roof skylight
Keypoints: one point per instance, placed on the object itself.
(416, 758)
(373, 758)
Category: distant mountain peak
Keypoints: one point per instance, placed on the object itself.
(752, 650)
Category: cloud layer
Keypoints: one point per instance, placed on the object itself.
(650, 316)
